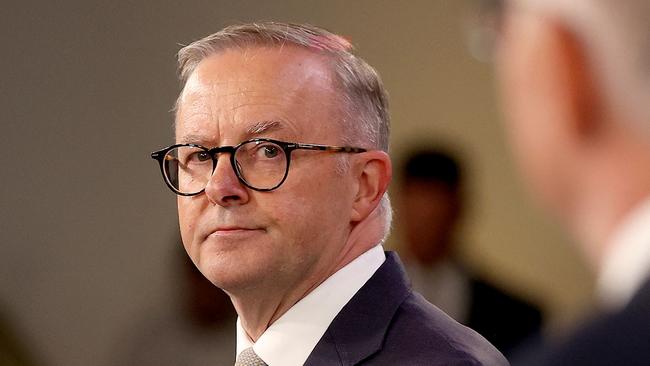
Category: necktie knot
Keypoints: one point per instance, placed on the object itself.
(248, 357)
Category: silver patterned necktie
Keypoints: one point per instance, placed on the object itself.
(248, 357)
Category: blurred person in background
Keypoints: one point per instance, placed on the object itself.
(193, 329)
(13, 351)
(431, 206)
(298, 247)
(575, 83)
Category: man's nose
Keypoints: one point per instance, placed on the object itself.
(224, 188)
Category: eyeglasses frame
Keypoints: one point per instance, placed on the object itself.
(287, 147)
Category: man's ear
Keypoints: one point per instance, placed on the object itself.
(551, 70)
(373, 172)
(575, 78)
(550, 103)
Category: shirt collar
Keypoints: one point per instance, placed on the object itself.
(626, 264)
(304, 324)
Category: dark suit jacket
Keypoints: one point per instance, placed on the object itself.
(386, 323)
(621, 338)
(501, 318)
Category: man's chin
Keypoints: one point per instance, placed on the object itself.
(233, 275)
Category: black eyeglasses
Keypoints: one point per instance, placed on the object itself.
(260, 164)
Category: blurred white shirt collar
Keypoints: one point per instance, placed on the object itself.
(626, 264)
(291, 338)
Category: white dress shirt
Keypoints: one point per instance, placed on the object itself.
(626, 264)
(291, 338)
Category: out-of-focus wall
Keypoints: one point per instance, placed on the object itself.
(85, 219)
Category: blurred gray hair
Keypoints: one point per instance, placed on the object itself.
(365, 121)
(616, 35)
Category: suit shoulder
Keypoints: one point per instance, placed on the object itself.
(426, 335)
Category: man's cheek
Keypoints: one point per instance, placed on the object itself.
(187, 226)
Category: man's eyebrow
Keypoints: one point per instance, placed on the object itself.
(192, 139)
(262, 127)
(256, 129)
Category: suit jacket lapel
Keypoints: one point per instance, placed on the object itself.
(359, 329)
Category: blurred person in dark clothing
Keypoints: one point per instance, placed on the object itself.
(575, 83)
(12, 351)
(431, 205)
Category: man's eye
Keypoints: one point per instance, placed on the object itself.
(269, 151)
(199, 156)
(203, 156)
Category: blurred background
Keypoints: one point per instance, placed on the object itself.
(89, 230)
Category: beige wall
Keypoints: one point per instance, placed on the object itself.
(87, 225)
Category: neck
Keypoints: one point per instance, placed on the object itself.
(611, 189)
(599, 222)
(261, 306)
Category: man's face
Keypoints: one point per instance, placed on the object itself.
(240, 238)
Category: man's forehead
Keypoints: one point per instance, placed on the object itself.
(257, 91)
(248, 111)
(258, 67)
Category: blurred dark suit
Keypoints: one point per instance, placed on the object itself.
(619, 338)
(500, 317)
(430, 209)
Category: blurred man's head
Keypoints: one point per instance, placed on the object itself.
(575, 81)
(430, 204)
(254, 226)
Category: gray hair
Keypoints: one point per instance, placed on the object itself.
(616, 35)
(365, 122)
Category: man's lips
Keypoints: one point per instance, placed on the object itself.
(232, 230)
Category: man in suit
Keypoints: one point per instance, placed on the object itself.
(431, 206)
(281, 170)
(575, 79)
